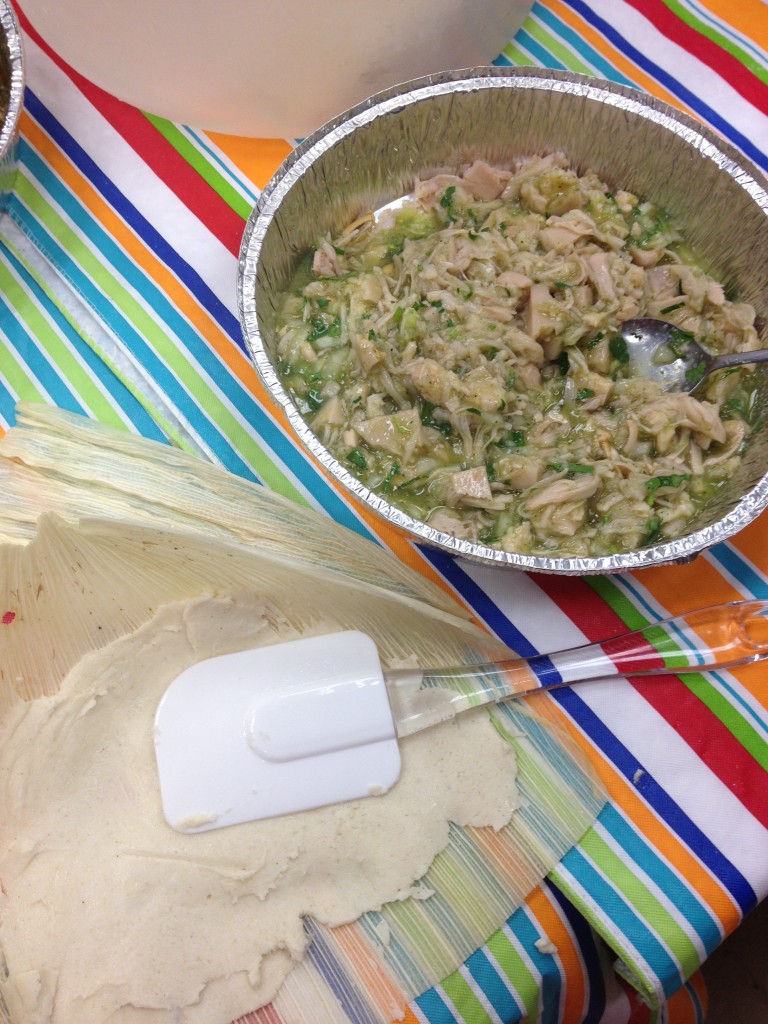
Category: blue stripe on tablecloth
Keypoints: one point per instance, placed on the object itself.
(433, 1007)
(450, 569)
(587, 944)
(622, 915)
(124, 330)
(543, 56)
(588, 54)
(658, 799)
(690, 99)
(548, 967)
(44, 374)
(740, 568)
(238, 181)
(138, 223)
(7, 404)
(495, 989)
(648, 861)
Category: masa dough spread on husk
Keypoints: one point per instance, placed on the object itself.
(110, 917)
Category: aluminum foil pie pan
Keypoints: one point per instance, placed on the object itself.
(371, 155)
(12, 84)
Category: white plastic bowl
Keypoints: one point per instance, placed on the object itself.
(265, 68)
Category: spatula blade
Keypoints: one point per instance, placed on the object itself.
(274, 730)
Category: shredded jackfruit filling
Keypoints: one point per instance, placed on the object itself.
(459, 354)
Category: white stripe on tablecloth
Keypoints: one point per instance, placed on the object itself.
(135, 179)
(687, 69)
(700, 794)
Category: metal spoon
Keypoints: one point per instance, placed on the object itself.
(667, 354)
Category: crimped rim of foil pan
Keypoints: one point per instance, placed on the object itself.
(12, 35)
(633, 103)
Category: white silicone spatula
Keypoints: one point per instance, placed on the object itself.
(316, 721)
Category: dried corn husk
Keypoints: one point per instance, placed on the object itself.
(76, 587)
(99, 529)
(59, 462)
(56, 464)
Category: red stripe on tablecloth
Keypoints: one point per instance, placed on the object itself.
(723, 63)
(701, 729)
(639, 1011)
(596, 619)
(171, 168)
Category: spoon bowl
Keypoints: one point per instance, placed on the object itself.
(666, 353)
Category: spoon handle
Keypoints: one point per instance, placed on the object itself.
(738, 359)
(722, 636)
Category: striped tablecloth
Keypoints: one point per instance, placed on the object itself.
(117, 300)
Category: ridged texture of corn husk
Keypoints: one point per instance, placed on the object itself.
(80, 469)
(98, 529)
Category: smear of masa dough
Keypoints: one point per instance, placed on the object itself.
(109, 916)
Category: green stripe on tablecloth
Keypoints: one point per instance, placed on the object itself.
(18, 379)
(748, 737)
(48, 340)
(725, 42)
(187, 149)
(645, 903)
(618, 601)
(514, 967)
(563, 54)
(700, 685)
(146, 323)
(516, 56)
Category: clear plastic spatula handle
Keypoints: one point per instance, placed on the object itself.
(719, 637)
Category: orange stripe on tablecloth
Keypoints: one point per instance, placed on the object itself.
(687, 587)
(619, 61)
(231, 356)
(234, 359)
(410, 1017)
(752, 678)
(746, 16)
(554, 926)
(258, 159)
(380, 986)
(626, 798)
(704, 579)
(681, 1006)
(751, 542)
(699, 986)
(501, 854)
